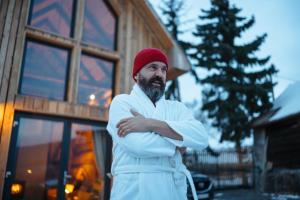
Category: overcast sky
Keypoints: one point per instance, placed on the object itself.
(280, 19)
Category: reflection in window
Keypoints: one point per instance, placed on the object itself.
(95, 81)
(86, 162)
(44, 71)
(99, 24)
(38, 157)
(52, 15)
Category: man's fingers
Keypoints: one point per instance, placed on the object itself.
(125, 133)
(123, 130)
(123, 121)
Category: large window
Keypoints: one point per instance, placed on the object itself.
(70, 50)
(44, 71)
(95, 81)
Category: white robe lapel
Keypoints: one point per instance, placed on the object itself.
(145, 105)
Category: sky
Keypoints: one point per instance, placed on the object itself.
(280, 19)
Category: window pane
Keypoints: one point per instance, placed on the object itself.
(52, 15)
(38, 157)
(86, 162)
(95, 81)
(99, 24)
(44, 71)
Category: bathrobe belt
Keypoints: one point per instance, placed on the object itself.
(128, 169)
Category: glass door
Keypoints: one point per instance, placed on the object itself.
(53, 158)
(35, 160)
(86, 166)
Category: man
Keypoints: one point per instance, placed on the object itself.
(147, 132)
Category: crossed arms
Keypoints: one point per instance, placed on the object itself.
(138, 123)
(145, 137)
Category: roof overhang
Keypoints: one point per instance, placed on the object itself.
(263, 121)
(179, 63)
(285, 107)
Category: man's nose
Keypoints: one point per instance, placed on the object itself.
(160, 73)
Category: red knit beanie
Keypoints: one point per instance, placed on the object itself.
(146, 56)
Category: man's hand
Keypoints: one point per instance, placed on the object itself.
(137, 123)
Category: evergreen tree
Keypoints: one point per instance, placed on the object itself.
(238, 86)
(172, 10)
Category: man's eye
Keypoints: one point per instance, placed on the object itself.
(153, 67)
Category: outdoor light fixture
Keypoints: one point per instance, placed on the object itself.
(17, 189)
(69, 188)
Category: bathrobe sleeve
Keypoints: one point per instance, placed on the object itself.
(139, 144)
(193, 132)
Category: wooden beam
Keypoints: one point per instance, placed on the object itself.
(3, 14)
(100, 52)
(73, 75)
(128, 36)
(8, 89)
(120, 46)
(59, 108)
(151, 19)
(115, 6)
(5, 36)
(37, 34)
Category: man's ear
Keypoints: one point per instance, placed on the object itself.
(136, 77)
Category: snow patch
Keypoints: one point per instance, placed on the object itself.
(282, 196)
(288, 102)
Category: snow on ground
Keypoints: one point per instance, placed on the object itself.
(281, 196)
(250, 194)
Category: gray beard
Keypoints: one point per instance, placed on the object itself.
(154, 93)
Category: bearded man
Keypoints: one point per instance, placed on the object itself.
(147, 132)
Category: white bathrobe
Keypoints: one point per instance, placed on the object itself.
(147, 166)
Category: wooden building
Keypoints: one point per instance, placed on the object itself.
(61, 63)
(277, 144)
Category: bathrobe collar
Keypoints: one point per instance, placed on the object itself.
(141, 94)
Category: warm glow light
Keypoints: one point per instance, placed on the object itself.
(69, 188)
(92, 97)
(16, 188)
(29, 171)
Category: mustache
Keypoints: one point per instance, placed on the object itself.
(157, 79)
